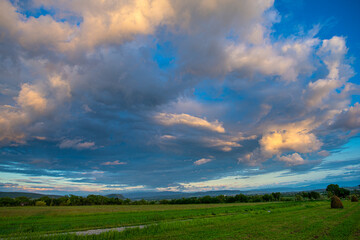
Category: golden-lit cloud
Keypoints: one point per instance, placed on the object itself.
(203, 161)
(30, 97)
(224, 145)
(103, 22)
(170, 119)
(290, 137)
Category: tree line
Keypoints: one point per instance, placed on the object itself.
(73, 200)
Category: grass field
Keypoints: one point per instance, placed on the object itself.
(283, 220)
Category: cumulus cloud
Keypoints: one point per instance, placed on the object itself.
(348, 119)
(332, 52)
(10, 125)
(29, 97)
(292, 159)
(33, 102)
(106, 22)
(170, 119)
(290, 137)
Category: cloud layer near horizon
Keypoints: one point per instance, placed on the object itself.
(159, 94)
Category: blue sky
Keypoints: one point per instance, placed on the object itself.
(161, 95)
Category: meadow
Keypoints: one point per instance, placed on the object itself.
(280, 220)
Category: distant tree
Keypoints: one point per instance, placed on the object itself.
(45, 199)
(305, 195)
(276, 196)
(267, 197)
(256, 198)
(314, 195)
(230, 199)
(333, 189)
(221, 198)
(298, 197)
(343, 192)
(241, 198)
(206, 199)
(23, 201)
(40, 203)
(7, 202)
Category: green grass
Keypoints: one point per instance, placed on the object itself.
(287, 220)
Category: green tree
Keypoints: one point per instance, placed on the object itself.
(314, 195)
(40, 203)
(333, 189)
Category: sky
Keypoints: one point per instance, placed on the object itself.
(166, 95)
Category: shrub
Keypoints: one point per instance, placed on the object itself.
(336, 202)
(40, 203)
(354, 198)
(298, 197)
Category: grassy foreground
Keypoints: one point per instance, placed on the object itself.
(286, 220)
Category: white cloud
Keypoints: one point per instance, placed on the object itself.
(332, 52)
(169, 119)
(287, 59)
(319, 90)
(292, 159)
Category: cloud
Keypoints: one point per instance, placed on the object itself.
(224, 145)
(348, 119)
(324, 153)
(292, 159)
(105, 22)
(228, 142)
(332, 52)
(114, 163)
(170, 119)
(167, 137)
(290, 137)
(10, 125)
(29, 97)
(203, 161)
(78, 144)
(105, 70)
(32, 103)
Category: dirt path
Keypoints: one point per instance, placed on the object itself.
(99, 231)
